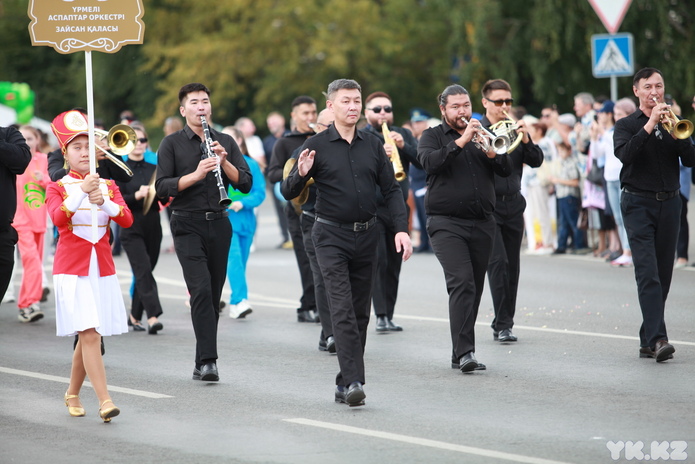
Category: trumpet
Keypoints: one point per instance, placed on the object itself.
(681, 129)
(121, 140)
(484, 139)
(209, 153)
(395, 157)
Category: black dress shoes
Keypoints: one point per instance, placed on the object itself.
(481, 366)
(340, 394)
(468, 363)
(382, 324)
(663, 351)
(393, 327)
(154, 328)
(506, 335)
(330, 344)
(137, 327)
(355, 395)
(307, 316)
(207, 373)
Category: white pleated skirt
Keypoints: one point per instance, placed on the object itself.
(89, 302)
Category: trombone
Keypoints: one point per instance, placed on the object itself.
(508, 128)
(484, 139)
(121, 140)
(682, 129)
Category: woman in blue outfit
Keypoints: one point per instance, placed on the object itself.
(243, 219)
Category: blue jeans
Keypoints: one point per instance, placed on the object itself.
(568, 214)
(613, 194)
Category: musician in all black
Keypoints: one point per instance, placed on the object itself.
(142, 240)
(199, 225)
(378, 110)
(460, 201)
(650, 203)
(505, 263)
(347, 164)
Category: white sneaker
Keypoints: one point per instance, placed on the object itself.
(622, 261)
(240, 310)
(31, 314)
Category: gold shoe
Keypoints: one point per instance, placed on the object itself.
(107, 413)
(74, 411)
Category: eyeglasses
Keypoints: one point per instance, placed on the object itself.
(508, 102)
(377, 109)
(142, 140)
(324, 125)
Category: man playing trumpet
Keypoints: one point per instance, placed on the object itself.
(504, 267)
(650, 202)
(378, 110)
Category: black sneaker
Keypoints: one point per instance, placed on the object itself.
(31, 314)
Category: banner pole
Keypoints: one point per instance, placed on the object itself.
(92, 146)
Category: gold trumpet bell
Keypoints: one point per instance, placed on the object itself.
(683, 129)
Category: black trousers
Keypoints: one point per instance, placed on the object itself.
(8, 239)
(142, 243)
(308, 298)
(462, 247)
(388, 271)
(505, 263)
(683, 231)
(652, 230)
(347, 263)
(202, 248)
(307, 222)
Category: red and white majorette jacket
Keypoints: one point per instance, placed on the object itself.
(70, 211)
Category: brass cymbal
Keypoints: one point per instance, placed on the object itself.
(151, 194)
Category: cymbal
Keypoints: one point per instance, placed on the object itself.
(151, 194)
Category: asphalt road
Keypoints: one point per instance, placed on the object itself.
(572, 390)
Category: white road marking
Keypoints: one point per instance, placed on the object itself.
(424, 442)
(53, 378)
(545, 329)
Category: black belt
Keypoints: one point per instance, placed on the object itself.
(659, 196)
(311, 215)
(202, 215)
(511, 197)
(354, 226)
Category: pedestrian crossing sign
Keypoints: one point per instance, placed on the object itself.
(611, 55)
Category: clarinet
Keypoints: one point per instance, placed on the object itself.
(208, 153)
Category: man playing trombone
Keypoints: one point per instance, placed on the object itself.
(650, 202)
(504, 266)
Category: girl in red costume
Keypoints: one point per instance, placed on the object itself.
(88, 297)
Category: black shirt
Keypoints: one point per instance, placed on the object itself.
(106, 169)
(179, 154)
(15, 156)
(460, 181)
(649, 164)
(282, 151)
(142, 173)
(346, 176)
(525, 153)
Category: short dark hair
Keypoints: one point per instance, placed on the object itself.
(340, 84)
(453, 89)
(495, 84)
(302, 99)
(374, 95)
(190, 88)
(645, 73)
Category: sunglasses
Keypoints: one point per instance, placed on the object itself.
(508, 102)
(142, 140)
(377, 109)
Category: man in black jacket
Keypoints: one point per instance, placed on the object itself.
(14, 159)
